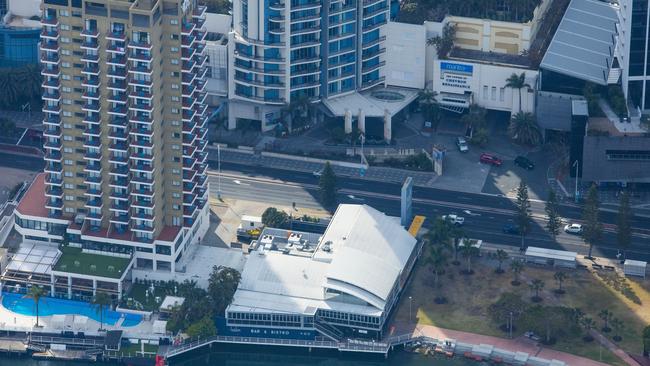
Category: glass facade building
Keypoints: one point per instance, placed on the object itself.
(18, 46)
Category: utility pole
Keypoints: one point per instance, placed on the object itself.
(410, 307)
(363, 139)
(510, 325)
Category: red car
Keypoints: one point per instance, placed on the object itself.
(490, 159)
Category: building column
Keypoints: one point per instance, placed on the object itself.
(388, 127)
(69, 287)
(155, 266)
(51, 285)
(232, 121)
(348, 121)
(119, 290)
(94, 287)
(361, 121)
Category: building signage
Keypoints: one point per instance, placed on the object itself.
(456, 76)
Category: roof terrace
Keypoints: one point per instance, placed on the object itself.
(73, 260)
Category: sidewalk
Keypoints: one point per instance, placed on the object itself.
(381, 174)
(519, 344)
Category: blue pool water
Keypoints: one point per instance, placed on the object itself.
(22, 305)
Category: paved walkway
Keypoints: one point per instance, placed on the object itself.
(614, 348)
(520, 344)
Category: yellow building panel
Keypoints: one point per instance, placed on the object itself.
(416, 225)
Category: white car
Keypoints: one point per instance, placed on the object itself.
(454, 219)
(462, 144)
(317, 173)
(573, 229)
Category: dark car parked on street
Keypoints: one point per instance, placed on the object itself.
(524, 162)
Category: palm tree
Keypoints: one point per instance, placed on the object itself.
(501, 256)
(559, 277)
(536, 285)
(437, 260)
(440, 233)
(518, 82)
(517, 267)
(101, 300)
(588, 324)
(618, 326)
(9, 89)
(606, 316)
(469, 251)
(36, 293)
(298, 113)
(429, 104)
(524, 129)
(456, 233)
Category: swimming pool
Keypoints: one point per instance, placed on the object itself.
(22, 305)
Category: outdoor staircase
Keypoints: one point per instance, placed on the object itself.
(328, 330)
(452, 108)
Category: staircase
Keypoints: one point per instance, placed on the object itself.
(614, 75)
(328, 330)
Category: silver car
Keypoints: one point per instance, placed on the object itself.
(462, 144)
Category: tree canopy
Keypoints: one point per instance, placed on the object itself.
(272, 217)
(418, 11)
(327, 186)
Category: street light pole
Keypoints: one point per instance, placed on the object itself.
(510, 325)
(410, 307)
(219, 171)
(363, 139)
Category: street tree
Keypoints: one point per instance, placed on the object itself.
(624, 229)
(430, 107)
(202, 328)
(517, 81)
(554, 223)
(457, 234)
(523, 215)
(437, 261)
(645, 340)
(468, 251)
(559, 277)
(606, 316)
(523, 129)
(508, 308)
(592, 228)
(617, 325)
(217, 6)
(327, 186)
(440, 233)
(36, 293)
(517, 267)
(501, 256)
(536, 286)
(587, 324)
(222, 285)
(101, 300)
(272, 217)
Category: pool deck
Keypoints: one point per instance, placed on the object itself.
(23, 323)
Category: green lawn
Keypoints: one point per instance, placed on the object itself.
(133, 348)
(470, 296)
(74, 261)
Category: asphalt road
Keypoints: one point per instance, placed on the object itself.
(488, 213)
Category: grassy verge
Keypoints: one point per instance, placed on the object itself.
(469, 298)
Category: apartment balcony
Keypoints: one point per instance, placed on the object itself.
(146, 156)
(50, 58)
(53, 179)
(120, 134)
(120, 98)
(141, 95)
(189, 138)
(187, 28)
(91, 81)
(92, 95)
(92, 131)
(91, 44)
(188, 198)
(93, 192)
(187, 91)
(118, 73)
(91, 107)
(315, 29)
(188, 103)
(144, 168)
(188, 151)
(53, 96)
(53, 167)
(93, 179)
(200, 61)
(200, 85)
(53, 145)
(187, 53)
(92, 142)
(370, 14)
(119, 85)
(90, 57)
(142, 70)
(188, 78)
(90, 32)
(55, 204)
(94, 216)
(141, 107)
(92, 155)
(199, 37)
(119, 146)
(94, 203)
(367, 69)
(367, 27)
(143, 83)
(316, 4)
(116, 49)
(188, 175)
(119, 182)
(142, 216)
(92, 119)
(50, 21)
(142, 228)
(52, 120)
(142, 180)
(142, 203)
(117, 60)
(188, 115)
(54, 109)
(202, 71)
(53, 155)
(121, 195)
(93, 167)
(276, 30)
(119, 110)
(53, 83)
(50, 45)
(50, 70)
(201, 168)
(140, 45)
(143, 132)
(366, 55)
(141, 119)
(370, 83)
(199, 22)
(119, 219)
(144, 192)
(118, 159)
(121, 170)
(140, 57)
(199, 11)
(187, 66)
(142, 143)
